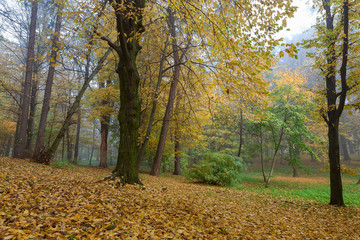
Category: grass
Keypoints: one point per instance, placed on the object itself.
(63, 163)
(309, 187)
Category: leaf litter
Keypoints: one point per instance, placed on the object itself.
(42, 202)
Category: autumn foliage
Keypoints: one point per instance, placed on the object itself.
(43, 202)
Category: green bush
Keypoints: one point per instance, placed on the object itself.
(63, 163)
(217, 169)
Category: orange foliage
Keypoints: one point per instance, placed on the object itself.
(41, 202)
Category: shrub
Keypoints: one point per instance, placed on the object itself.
(217, 169)
(63, 163)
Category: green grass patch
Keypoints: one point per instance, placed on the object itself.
(300, 191)
(63, 163)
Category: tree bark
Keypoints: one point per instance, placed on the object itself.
(63, 149)
(129, 28)
(241, 141)
(77, 138)
(48, 88)
(169, 108)
(262, 153)
(19, 149)
(334, 109)
(68, 145)
(104, 129)
(295, 172)
(177, 163)
(30, 127)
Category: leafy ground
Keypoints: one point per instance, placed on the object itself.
(42, 202)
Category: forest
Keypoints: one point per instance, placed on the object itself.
(135, 119)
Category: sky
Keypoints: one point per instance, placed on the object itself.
(303, 19)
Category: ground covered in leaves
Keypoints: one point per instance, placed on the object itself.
(42, 202)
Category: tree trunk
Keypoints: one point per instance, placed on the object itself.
(8, 147)
(169, 108)
(129, 28)
(48, 88)
(262, 154)
(19, 149)
(295, 172)
(77, 139)
(267, 184)
(68, 145)
(336, 196)
(152, 114)
(333, 112)
(78, 123)
(30, 127)
(241, 141)
(104, 129)
(63, 149)
(177, 163)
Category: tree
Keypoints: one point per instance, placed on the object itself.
(155, 169)
(129, 15)
(19, 149)
(48, 87)
(338, 40)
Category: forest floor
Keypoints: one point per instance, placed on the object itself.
(43, 202)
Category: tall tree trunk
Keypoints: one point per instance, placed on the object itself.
(68, 145)
(30, 127)
(169, 108)
(77, 138)
(267, 184)
(241, 141)
(334, 109)
(262, 153)
(336, 197)
(177, 163)
(19, 150)
(8, 147)
(297, 153)
(141, 152)
(104, 129)
(129, 28)
(63, 149)
(92, 146)
(48, 88)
